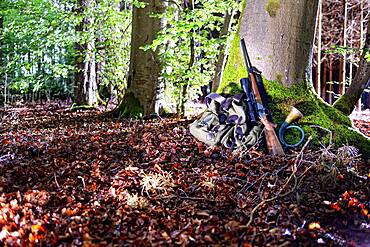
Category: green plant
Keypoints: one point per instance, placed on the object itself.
(189, 47)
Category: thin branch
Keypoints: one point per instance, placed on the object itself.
(298, 160)
(83, 181)
(56, 181)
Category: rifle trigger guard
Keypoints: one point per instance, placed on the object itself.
(282, 131)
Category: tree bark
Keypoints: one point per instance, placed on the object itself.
(319, 41)
(85, 75)
(1, 45)
(346, 103)
(2, 77)
(279, 36)
(145, 66)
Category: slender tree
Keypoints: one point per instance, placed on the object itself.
(85, 76)
(1, 43)
(145, 66)
(346, 103)
(2, 58)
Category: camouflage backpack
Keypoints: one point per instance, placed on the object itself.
(225, 122)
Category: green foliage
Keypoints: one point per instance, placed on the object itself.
(39, 44)
(36, 44)
(189, 46)
(113, 43)
(40, 41)
(337, 49)
(367, 56)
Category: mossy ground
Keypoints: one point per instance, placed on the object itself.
(318, 116)
(316, 112)
(321, 121)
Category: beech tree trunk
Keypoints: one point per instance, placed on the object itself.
(347, 102)
(279, 36)
(145, 67)
(85, 75)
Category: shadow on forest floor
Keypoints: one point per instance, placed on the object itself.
(83, 178)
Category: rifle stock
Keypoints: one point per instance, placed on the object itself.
(273, 144)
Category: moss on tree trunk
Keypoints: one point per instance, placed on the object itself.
(235, 68)
(345, 104)
(325, 124)
(321, 121)
(130, 107)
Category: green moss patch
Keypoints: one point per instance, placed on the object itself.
(234, 69)
(272, 7)
(345, 104)
(321, 121)
(130, 107)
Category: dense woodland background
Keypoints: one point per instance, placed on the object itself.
(65, 49)
(74, 174)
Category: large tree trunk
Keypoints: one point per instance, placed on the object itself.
(346, 103)
(279, 37)
(145, 67)
(85, 75)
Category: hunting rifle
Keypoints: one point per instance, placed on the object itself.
(257, 103)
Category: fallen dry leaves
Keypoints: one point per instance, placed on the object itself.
(84, 178)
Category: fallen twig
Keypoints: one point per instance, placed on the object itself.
(298, 157)
(83, 181)
(6, 156)
(56, 181)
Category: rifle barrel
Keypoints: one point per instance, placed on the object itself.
(273, 145)
(248, 63)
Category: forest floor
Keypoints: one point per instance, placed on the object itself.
(82, 178)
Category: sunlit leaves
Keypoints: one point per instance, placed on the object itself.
(40, 37)
(38, 42)
(367, 56)
(186, 66)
